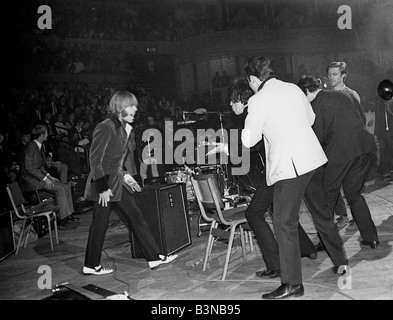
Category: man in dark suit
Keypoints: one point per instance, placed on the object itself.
(348, 146)
(33, 176)
(111, 185)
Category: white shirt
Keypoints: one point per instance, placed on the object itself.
(281, 113)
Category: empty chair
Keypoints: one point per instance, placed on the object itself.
(42, 209)
(212, 209)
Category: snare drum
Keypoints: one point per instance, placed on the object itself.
(181, 176)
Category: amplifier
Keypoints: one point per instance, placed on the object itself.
(165, 209)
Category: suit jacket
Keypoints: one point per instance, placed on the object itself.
(32, 168)
(281, 113)
(110, 159)
(339, 127)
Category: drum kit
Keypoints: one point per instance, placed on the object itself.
(213, 165)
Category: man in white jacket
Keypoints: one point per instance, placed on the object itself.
(281, 113)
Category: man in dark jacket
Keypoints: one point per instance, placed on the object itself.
(111, 183)
(348, 146)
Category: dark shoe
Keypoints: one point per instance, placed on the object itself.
(311, 256)
(373, 244)
(73, 218)
(343, 269)
(320, 247)
(285, 291)
(268, 274)
(66, 225)
(342, 222)
(352, 226)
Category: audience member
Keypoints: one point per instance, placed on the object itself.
(33, 176)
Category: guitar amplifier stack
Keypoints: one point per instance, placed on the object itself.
(166, 210)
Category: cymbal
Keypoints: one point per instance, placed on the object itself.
(200, 111)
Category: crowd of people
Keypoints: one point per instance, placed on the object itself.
(175, 21)
(70, 112)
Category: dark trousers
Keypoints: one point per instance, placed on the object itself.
(287, 198)
(352, 176)
(340, 209)
(128, 208)
(323, 218)
(262, 199)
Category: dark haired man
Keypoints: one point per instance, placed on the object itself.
(348, 145)
(280, 113)
(239, 93)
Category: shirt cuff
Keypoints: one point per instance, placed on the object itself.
(45, 177)
(127, 176)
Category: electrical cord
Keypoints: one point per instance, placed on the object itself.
(115, 269)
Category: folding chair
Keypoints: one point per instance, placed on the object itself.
(212, 209)
(27, 214)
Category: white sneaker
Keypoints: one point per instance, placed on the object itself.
(164, 259)
(98, 271)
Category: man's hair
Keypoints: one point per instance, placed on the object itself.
(239, 90)
(258, 66)
(120, 101)
(342, 66)
(38, 130)
(309, 82)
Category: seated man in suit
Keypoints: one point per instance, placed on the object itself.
(34, 177)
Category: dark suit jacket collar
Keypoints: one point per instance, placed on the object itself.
(116, 121)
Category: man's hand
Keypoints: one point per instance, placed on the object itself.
(48, 183)
(105, 197)
(132, 183)
(53, 178)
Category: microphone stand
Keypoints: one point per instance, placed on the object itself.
(225, 166)
(388, 139)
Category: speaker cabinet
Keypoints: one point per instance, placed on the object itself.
(166, 212)
(7, 244)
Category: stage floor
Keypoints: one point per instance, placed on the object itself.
(371, 269)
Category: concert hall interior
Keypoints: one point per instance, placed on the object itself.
(180, 58)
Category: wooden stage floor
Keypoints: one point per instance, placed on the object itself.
(371, 269)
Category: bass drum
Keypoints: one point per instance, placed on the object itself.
(181, 176)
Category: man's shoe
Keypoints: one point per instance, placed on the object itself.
(73, 218)
(340, 270)
(311, 256)
(342, 222)
(285, 291)
(320, 247)
(352, 226)
(268, 274)
(373, 244)
(164, 259)
(66, 225)
(98, 271)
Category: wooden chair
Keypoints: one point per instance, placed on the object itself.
(212, 209)
(27, 214)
